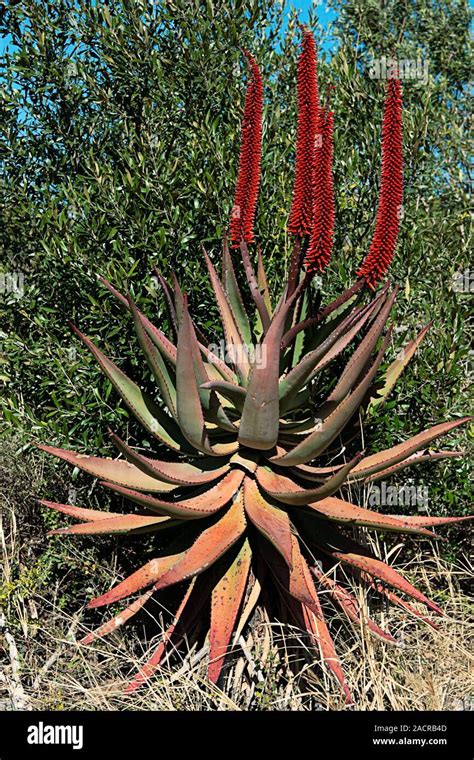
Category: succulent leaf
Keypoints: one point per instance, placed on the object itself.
(79, 513)
(375, 568)
(120, 524)
(175, 473)
(344, 512)
(261, 413)
(115, 471)
(226, 600)
(148, 574)
(160, 370)
(395, 369)
(350, 606)
(388, 457)
(153, 419)
(206, 503)
(119, 619)
(212, 543)
(271, 521)
(232, 290)
(287, 491)
(330, 427)
(152, 664)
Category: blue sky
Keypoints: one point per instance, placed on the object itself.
(325, 14)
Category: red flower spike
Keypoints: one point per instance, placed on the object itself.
(301, 214)
(248, 179)
(387, 221)
(322, 235)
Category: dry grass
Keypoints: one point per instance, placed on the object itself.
(43, 667)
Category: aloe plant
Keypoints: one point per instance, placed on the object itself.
(249, 497)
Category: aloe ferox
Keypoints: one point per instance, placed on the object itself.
(249, 497)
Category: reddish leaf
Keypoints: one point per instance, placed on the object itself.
(254, 590)
(395, 599)
(286, 490)
(247, 461)
(79, 513)
(272, 522)
(301, 587)
(388, 457)
(316, 627)
(120, 524)
(154, 662)
(291, 579)
(427, 520)
(203, 505)
(345, 512)
(178, 473)
(142, 578)
(226, 600)
(417, 458)
(350, 606)
(317, 474)
(116, 471)
(209, 546)
(377, 569)
(118, 620)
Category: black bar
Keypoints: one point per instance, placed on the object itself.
(117, 735)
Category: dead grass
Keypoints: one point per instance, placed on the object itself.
(43, 667)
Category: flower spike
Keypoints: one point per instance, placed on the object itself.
(248, 179)
(301, 214)
(389, 208)
(322, 235)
